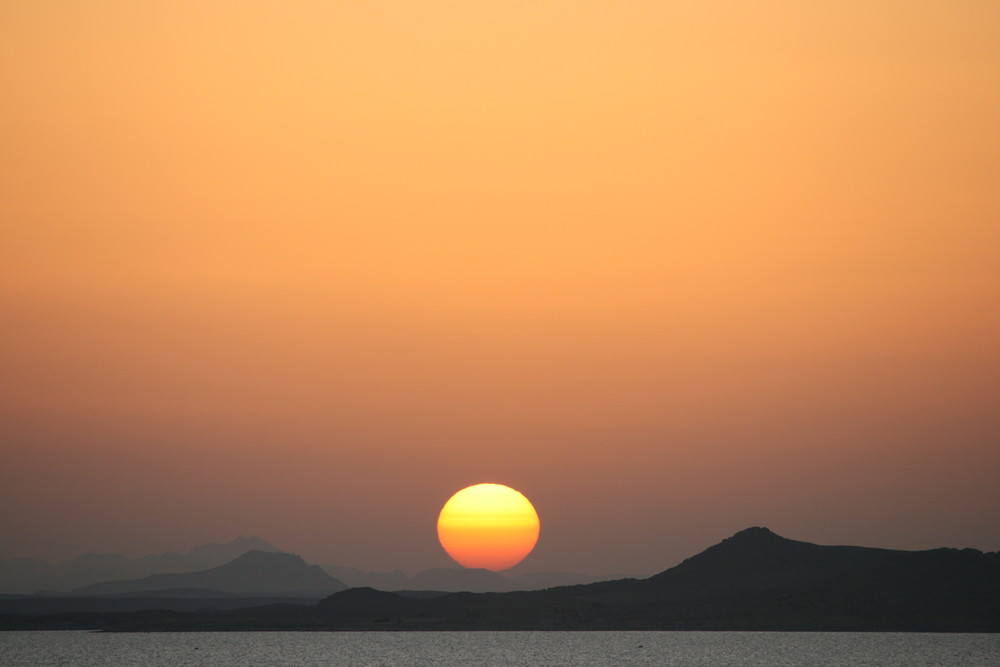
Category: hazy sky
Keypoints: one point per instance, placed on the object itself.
(304, 269)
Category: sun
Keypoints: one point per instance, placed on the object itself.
(491, 526)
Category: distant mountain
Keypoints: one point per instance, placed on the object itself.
(455, 580)
(28, 575)
(207, 555)
(754, 580)
(255, 572)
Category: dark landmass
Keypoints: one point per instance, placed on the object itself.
(454, 580)
(754, 580)
(534, 581)
(460, 580)
(34, 575)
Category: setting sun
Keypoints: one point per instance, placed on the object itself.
(491, 526)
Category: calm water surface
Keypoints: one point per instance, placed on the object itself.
(498, 648)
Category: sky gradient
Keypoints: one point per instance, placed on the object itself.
(303, 270)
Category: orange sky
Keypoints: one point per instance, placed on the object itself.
(305, 269)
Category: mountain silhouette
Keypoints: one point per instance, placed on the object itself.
(456, 580)
(754, 580)
(255, 572)
(28, 575)
(756, 560)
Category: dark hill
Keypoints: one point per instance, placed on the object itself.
(756, 558)
(757, 579)
(255, 572)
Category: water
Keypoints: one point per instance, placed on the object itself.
(498, 648)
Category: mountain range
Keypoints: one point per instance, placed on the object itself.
(754, 580)
(81, 575)
(456, 580)
(34, 575)
(253, 573)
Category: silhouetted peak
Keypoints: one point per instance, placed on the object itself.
(754, 534)
(756, 541)
(754, 548)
